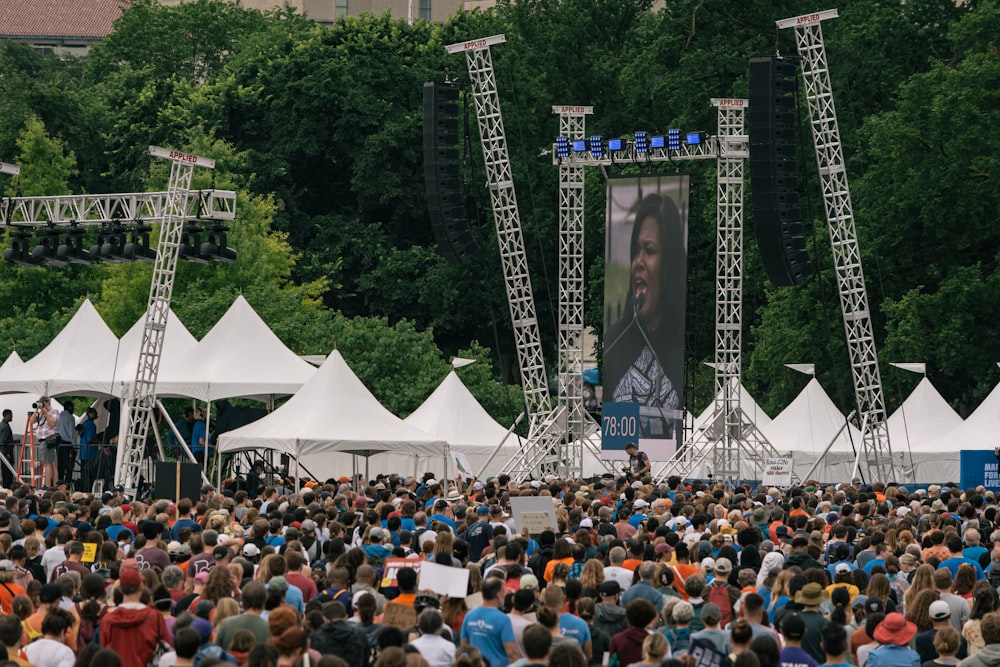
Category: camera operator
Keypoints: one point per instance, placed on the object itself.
(46, 419)
(8, 444)
(68, 438)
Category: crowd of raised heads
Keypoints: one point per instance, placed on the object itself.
(629, 573)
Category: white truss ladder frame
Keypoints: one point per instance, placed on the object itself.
(142, 395)
(730, 434)
(127, 207)
(876, 449)
(541, 452)
(572, 124)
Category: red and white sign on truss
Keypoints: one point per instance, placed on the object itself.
(171, 154)
(7, 168)
(568, 110)
(807, 19)
(729, 103)
(476, 44)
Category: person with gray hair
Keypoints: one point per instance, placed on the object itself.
(435, 649)
(644, 588)
(615, 571)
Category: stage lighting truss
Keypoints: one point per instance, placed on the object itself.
(643, 147)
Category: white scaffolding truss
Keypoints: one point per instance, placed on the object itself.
(541, 451)
(875, 450)
(731, 436)
(142, 397)
(579, 426)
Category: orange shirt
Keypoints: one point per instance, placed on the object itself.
(35, 621)
(631, 564)
(552, 564)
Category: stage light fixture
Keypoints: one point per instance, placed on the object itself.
(215, 247)
(137, 248)
(694, 138)
(615, 145)
(658, 141)
(72, 250)
(19, 252)
(111, 241)
(579, 145)
(191, 244)
(641, 142)
(562, 147)
(45, 250)
(596, 147)
(673, 140)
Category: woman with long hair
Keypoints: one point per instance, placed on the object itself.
(984, 601)
(918, 610)
(592, 575)
(923, 579)
(965, 581)
(880, 588)
(780, 593)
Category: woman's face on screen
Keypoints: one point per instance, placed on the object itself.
(646, 272)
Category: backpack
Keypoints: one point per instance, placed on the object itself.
(89, 631)
(680, 640)
(719, 595)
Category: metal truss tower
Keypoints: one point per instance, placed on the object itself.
(875, 447)
(542, 450)
(142, 395)
(730, 437)
(572, 124)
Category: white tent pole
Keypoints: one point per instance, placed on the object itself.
(447, 464)
(496, 451)
(298, 454)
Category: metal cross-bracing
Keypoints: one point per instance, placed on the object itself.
(876, 449)
(545, 432)
(96, 209)
(142, 395)
(572, 124)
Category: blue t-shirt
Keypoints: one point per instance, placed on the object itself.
(574, 627)
(795, 656)
(197, 435)
(88, 431)
(175, 532)
(952, 564)
(488, 629)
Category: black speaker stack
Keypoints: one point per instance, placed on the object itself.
(442, 172)
(773, 171)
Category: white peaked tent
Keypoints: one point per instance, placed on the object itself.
(915, 430)
(77, 361)
(453, 414)
(19, 404)
(240, 356)
(807, 426)
(923, 418)
(328, 422)
(749, 406)
(177, 342)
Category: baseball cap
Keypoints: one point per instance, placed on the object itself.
(483, 510)
(130, 577)
(7, 565)
(859, 602)
(939, 610)
(220, 552)
(792, 626)
(662, 548)
(529, 582)
(842, 567)
(201, 577)
(609, 587)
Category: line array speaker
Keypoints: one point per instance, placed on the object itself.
(442, 173)
(773, 172)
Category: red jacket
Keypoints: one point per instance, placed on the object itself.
(133, 632)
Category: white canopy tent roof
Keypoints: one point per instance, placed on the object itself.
(19, 404)
(77, 361)
(978, 431)
(333, 413)
(748, 405)
(921, 419)
(240, 356)
(809, 423)
(453, 414)
(177, 343)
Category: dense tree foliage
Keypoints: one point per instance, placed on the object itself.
(320, 130)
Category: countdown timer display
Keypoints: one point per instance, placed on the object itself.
(619, 425)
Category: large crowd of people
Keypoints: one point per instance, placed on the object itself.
(633, 573)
